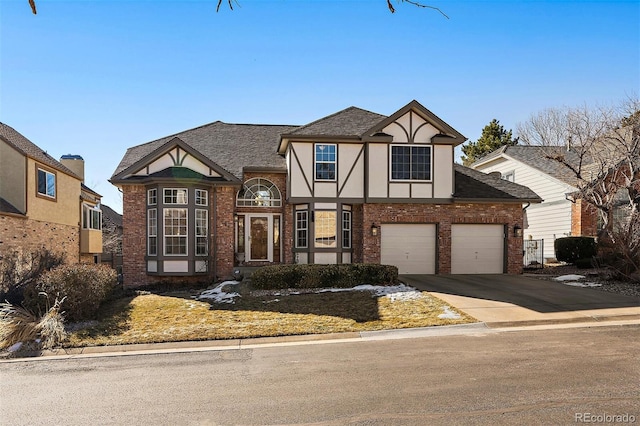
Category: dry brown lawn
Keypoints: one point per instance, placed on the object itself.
(171, 317)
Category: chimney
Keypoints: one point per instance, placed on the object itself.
(75, 163)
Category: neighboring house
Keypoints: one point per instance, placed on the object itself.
(355, 186)
(556, 216)
(111, 230)
(44, 203)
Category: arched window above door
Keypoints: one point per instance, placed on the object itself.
(259, 192)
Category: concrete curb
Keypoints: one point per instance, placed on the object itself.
(477, 329)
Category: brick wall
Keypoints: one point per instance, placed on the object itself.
(19, 233)
(444, 216)
(134, 223)
(584, 219)
(224, 230)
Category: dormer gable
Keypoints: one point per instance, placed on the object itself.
(174, 158)
(414, 123)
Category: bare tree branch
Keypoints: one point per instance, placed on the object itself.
(600, 149)
(415, 3)
(32, 3)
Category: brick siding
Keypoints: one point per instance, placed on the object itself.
(26, 235)
(444, 216)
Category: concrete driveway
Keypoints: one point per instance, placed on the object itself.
(512, 300)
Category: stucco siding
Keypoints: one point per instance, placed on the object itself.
(65, 209)
(12, 177)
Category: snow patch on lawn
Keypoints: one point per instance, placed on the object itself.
(570, 277)
(449, 314)
(397, 293)
(218, 295)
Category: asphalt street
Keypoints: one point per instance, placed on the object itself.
(549, 376)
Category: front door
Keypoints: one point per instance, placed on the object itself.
(259, 238)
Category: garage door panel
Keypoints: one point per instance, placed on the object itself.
(410, 247)
(477, 249)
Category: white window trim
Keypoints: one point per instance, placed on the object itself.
(206, 232)
(165, 235)
(306, 228)
(55, 183)
(155, 233)
(349, 221)
(334, 162)
(186, 200)
(206, 197)
(88, 209)
(391, 179)
(149, 191)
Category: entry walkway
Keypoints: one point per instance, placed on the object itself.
(516, 300)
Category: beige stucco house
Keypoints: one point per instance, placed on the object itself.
(44, 202)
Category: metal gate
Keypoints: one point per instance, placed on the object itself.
(533, 254)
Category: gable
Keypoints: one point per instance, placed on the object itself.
(411, 128)
(177, 157)
(427, 123)
(174, 159)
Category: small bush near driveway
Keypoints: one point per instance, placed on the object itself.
(323, 276)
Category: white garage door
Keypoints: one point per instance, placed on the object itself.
(410, 247)
(477, 249)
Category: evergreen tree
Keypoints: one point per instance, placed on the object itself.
(493, 137)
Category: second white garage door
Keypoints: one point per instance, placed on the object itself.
(410, 247)
(477, 249)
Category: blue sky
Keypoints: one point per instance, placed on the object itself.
(96, 77)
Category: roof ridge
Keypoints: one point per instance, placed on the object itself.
(352, 107)
(177, 135)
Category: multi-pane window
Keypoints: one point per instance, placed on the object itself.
(175, 196)
(346, 229)
(152, 232)
(410, 163)
(152, 197)
(325, 229)
(91, 217)
(46, 183)
(302, 228)
(202, 197)
(259, 192)
(202, 228)
(175, 231)
(325, 160)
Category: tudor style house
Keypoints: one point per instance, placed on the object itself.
(355, 186)
(44, 202)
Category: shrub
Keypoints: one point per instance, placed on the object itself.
(585, 263)
(570, 249)
(19, 271)
(314, 276)
(82, 286)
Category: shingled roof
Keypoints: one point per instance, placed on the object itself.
(231, 146)
(31, 150)
(474, 185)
(351, 121)
(538, 158)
